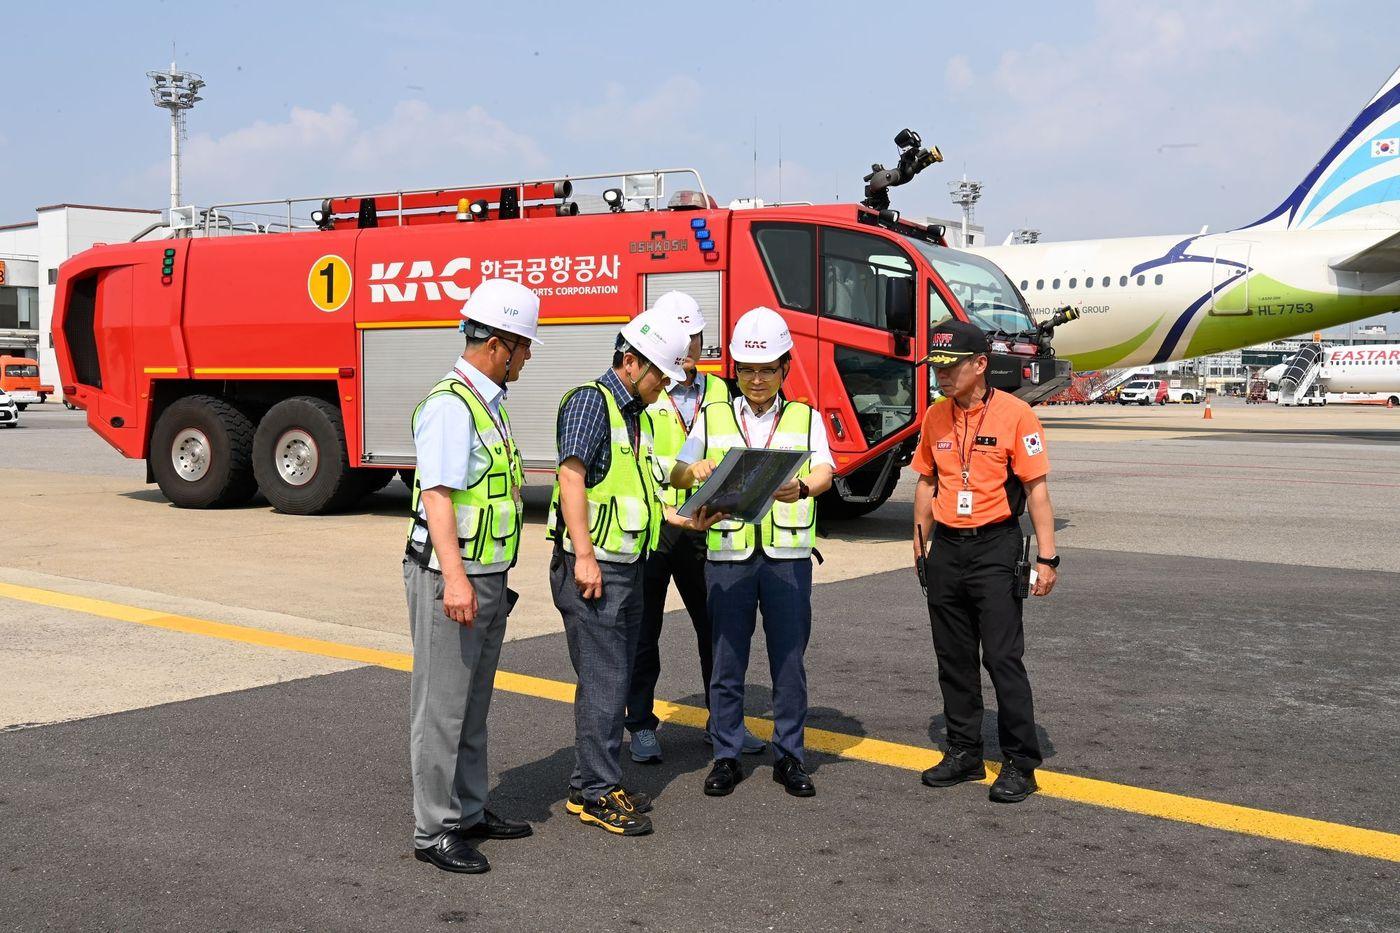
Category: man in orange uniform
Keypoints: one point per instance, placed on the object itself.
(981, 462)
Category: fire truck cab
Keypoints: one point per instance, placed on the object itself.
(288, 356)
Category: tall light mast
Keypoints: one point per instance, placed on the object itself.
(176, 91)
(965, 194)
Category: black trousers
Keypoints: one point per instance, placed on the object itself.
(680, 557)
(972, 603)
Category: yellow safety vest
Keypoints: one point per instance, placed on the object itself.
(789, 530)
(669, 433)
(624, 509)
(489, 513)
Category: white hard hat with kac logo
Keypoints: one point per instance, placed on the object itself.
(660, 339)
(760, 336)
(685, 308)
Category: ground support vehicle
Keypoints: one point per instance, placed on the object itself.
(1143, 392)
(9, 411)
(19, 378)
(288, 356)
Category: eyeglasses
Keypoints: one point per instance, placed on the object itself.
(765, 372)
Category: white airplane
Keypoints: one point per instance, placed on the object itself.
(1371, 369)
(1327, 255)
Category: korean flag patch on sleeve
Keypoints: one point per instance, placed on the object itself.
(1033, 444)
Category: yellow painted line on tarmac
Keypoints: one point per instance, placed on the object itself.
(1180, 808)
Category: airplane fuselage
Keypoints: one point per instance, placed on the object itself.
(1155, 299)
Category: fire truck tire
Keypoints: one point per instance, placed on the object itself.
(202, 453)
(300, 459)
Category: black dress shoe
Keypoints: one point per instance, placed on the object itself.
(957, 766)
(495, 827)
(723, 776)
(794, 778)
(1013, 785)
(454, 853)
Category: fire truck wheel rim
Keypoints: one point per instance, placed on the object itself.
(190, 454)
(296, 457)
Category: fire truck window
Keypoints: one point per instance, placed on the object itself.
(938, 310)
(881, 390)
(787, 252)
(855, 267)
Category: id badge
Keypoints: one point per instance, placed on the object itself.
(965, 502)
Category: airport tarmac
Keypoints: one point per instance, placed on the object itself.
(204, 713)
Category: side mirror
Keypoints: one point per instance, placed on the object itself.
(899, 311)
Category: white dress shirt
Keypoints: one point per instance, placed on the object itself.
(445, 437)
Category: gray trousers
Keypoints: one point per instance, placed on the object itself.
(602, 635)
(454, 667)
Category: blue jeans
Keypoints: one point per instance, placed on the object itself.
(737, 591)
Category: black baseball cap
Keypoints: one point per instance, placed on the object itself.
(954, 341)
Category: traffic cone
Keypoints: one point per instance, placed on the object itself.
(1208, 416)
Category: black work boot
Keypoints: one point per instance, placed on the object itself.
(957, 766)
(1013, 785)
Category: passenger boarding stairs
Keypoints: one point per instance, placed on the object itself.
(1109, 380)
(1300, 374)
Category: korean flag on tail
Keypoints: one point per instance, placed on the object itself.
(1381, 148)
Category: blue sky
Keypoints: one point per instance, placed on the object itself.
(1082, 119)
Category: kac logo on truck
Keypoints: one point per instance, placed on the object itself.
(387, 281)
(546, 276)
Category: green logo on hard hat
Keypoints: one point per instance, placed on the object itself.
(646, 328)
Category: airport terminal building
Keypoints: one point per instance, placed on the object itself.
(30, 254)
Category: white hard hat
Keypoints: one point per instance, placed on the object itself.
(685, 308)
(760, 336)
(661, 339)
(505, 305)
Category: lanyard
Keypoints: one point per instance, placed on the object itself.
(502, 426)
(680, 417)
(744, 424)
(964, 449)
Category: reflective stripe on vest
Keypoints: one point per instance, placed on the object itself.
(668, 436)
(489, 513)
(624, 511)
(790, 528)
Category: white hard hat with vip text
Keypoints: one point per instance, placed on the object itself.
(760, 336)
(685, 308)
(661, 340)
(505, 305)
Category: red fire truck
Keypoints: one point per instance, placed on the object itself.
(283, 356)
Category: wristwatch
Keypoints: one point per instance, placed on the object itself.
(802, 491)
(1048, 561)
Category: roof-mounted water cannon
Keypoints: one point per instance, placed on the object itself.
(913, 159)
(1045, 330)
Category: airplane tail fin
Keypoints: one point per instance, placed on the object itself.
(1356, 184)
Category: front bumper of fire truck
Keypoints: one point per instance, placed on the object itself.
(1032, 378)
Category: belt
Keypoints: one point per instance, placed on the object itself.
(948, 531)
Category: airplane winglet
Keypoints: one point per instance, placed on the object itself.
(1380, 257)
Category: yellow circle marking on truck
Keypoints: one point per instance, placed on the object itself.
(328, 283)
